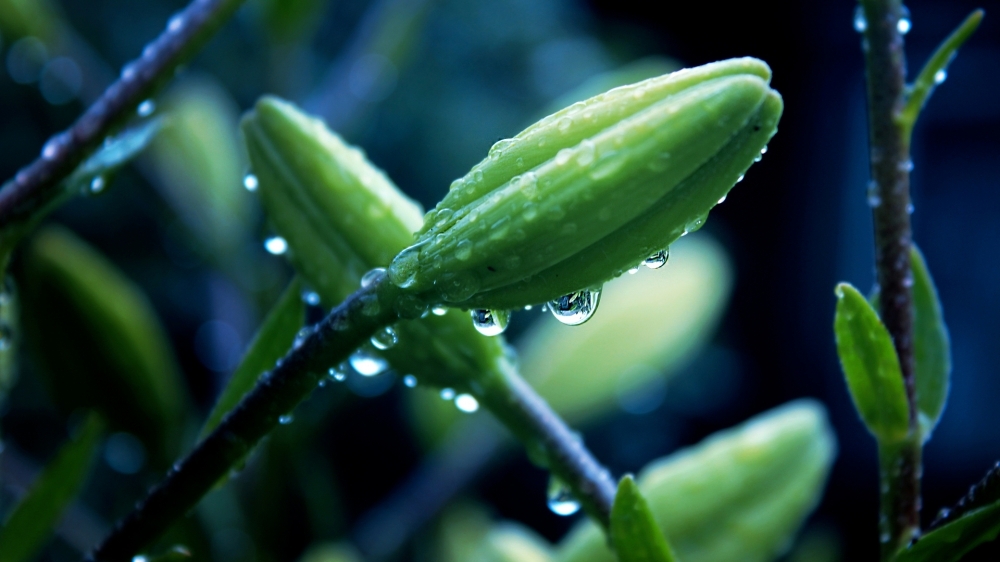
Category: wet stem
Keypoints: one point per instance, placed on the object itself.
(278, 391)
(889, 195)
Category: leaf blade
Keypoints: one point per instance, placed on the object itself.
(931, 347)
(634, 533)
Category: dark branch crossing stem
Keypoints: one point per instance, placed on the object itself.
(889, 196)
(38, 183)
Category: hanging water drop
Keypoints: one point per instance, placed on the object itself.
(721, 200)
(338, 374)
(659, 259)
(439, 311)
(633, 270)
(490, 322)
(286, 419)
(447, 393)
(276, 245)
(97, 184)
(466, 403)
(904, 25)
(575, 308)
(940, 76)
(366, 364)
(860, 23)
(739, 179)
(146, 108)
(310, 297)
(250, 182)
(410, 381)
(385, 338)
(560, 499)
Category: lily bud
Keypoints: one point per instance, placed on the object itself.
(592, 190)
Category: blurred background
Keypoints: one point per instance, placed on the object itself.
(425, 87)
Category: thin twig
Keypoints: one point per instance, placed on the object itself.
(889, 196)
(36, 184)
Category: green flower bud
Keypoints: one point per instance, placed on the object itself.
(592, 190)
(342, 217)
(511, 542)
(741, 495)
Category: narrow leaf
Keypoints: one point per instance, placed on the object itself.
(870, 366)
(952, 541)
(931, 75)
(634, 533)
(272, 341)
(931, 347)
(31, 523)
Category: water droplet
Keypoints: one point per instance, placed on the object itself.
(466, 403)
(250, 182)
(563, 156)
(575, 308)
(139, 558)
(564, 124)
(909, 208)
(385, 338)
(739, 179)
(884, 537)
(54, 147)
(940, 76)
(338, 373)
(459, 286)
(633, 270)
(860, 23)
(904, 25)
(490, 322)
(585, 154)
(657, 260)
(874, 200)
(403, 269)
(368, 278)
(276, 245)
(447, 393)
(128, 71)
(175, 23)
(498, 148)
(146, 108)
(721, 200)
(366, 364)
(763, 150)
(463, 251)
(527, 307)
(439, 311)
(560, 499)
(410, 381)
(97, 184)
(529, 185)
(310, 297)
(286, 419)
(906, 166)
(519, 162)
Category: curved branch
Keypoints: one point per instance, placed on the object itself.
(37, 184)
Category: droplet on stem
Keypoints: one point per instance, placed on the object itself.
(560, 500)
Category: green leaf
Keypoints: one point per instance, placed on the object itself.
(272, 342)
(931, 347)
(9, 336)
(634, 532)
(113, 354)
(952, 541)
(870, 366)
(31, 523)
(739, 496)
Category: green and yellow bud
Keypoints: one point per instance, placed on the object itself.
(741, 495)
(592, 190)
(342, 217)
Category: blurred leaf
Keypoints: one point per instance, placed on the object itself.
(739, 496)
(99, 342)
(272, 342)
(31, 523)
(331, 552)
(288, 21)
(21, 18)
(870, 366)
(634, 533)
(931, 346)
(461, 530)
(197, 159)
(818, 543)
(9, 336)
(952, 541)
(177, 553)
(511, 542)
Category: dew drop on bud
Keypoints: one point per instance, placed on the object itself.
(466, 403)
(368, 278)
(250, 182)
(490, 322)
(385, 338)
(633, 270)
(366, 364)
(575, 308)
(659, 259)
(410, 381)
(439, 311)
(560, 500)
(447, 393)
(276, 245)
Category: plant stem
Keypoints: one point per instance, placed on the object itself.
(276, 393)
(38, 183)
(889, 195)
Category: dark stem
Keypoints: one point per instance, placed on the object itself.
(37, 184)
(983, 493)
(276, 393)
(889, 196)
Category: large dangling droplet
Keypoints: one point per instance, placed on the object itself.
(657, 260)
(575, 308)
(490, 322)
(385, 338)
(367, 364)
(560, 500)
